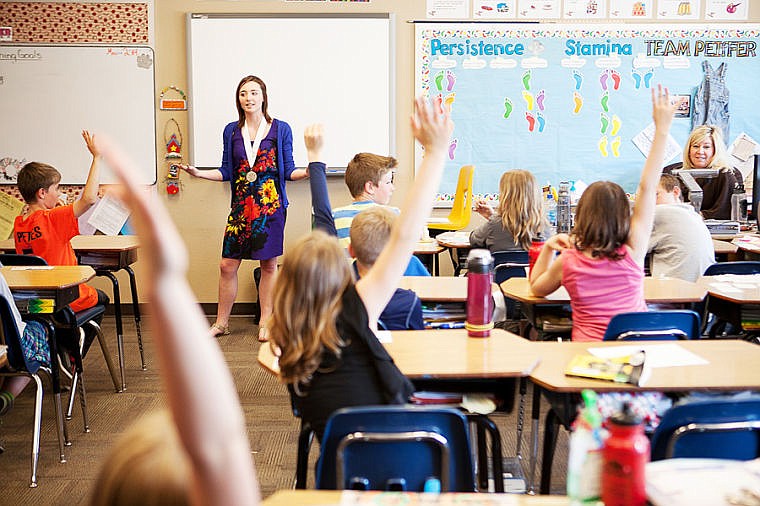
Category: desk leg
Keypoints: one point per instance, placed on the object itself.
(119, 330)
(536, 413)
(136, 312)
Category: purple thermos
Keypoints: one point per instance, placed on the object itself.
(479, 301)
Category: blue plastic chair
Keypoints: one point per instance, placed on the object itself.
(653, 325)
(396, 448)
(18, 365)
(721, 428)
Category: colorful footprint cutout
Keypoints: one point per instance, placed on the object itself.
(526, 80)
(604, 101)
(531, 121)
(615, 145)
(616, 124)
(648, 77)
(453, 148)
(615, 79)
(636, 78)
(605, 122)
(578, 77)
(439, 101)
(578, 102)
(541, 122)
(540, 99)
(449, 101)
(450, 80)
(508, 107)
(603, 79)
(603, 146)
(439, 80)
(528, 97)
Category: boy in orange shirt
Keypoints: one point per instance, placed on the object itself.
(47, 227)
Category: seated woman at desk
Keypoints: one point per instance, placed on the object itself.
(705, 149)
(519, 218)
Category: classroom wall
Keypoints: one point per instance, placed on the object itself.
(202, 206)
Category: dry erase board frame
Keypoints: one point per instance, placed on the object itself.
(328, 68)
(554, 99)
(50, 93)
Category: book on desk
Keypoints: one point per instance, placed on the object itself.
(630, 368)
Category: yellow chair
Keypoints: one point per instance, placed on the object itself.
(461, 211)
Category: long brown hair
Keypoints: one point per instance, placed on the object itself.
(264, 104)
(307, 301)
(520, 206)
(602, 220)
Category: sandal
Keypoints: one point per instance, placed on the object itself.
(263, 334)
(219, 330)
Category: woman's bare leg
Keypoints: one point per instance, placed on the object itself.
(228, 285)
(266, 290)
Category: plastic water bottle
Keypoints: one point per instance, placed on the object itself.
(550, 208)
(479, 300)
(564, 219)
(624, 457)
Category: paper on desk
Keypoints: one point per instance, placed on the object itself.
(382, 498)
(682, 482)
(658, 355)
(10, 207)
(643, 141)
(462, 238)
(559, 294)
(109, 215)
(32, 268)
(384, 336)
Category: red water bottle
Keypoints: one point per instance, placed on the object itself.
(533, 252)
(624, 456)
(479, 300)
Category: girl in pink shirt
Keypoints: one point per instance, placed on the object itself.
(601, 263)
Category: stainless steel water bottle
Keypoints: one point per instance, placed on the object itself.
(479, 300)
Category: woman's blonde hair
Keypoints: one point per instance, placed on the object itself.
(720, 158)
(307, 301)
(146, 467)
(520, 206)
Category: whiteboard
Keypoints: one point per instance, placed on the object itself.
(329, 69)
(49, 94)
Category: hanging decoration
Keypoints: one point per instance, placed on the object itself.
(173, 156)
(172, 104)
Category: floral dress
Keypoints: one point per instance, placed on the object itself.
(256, 224)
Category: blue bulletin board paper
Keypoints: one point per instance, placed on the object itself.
(565, 102)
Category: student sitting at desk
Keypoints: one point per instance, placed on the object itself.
(601, 264)
(519, 219)
(680, 243)
(323, 321)
(370, 230)
(705, 150)
(47, 227)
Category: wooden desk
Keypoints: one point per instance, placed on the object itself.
(107, 255)
(656, 290)
(333, 497)
(429, 249)
(724, 248)
(458, 244)
(740, 289)
(46, 289)
(440, 288)
(732, 366)
(449, 354)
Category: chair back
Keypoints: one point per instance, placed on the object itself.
(396, 448)
(744, 267)
(654, 326)
(461, 211)
(18, 259)
(720, 428)
(509, 264)
(10, 336)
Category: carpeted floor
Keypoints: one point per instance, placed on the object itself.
(272, 428)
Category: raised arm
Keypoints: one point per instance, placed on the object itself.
(313, 138)
(89, 195)
(643, 209)
(201, 393)
(432, 128)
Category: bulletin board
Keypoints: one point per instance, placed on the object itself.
(566, 101)
(49, 94)
(332, 69)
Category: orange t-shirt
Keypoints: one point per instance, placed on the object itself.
(48, 234)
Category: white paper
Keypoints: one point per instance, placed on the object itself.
(643, 141)
(657, 355)
(631, 9)
(494, 9)
(726, 9)
(678, 10)
(84, 222)
(109, 215)
(743, 147)
(538, 9)
(584, 9)
(384, 336)
(437, 9)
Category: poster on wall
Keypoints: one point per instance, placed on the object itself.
(494, 9)
(724, 10)
(443, 9)
(584, 9)
(678, 10)
(631, 9)
(538, 9)
(566, 102)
